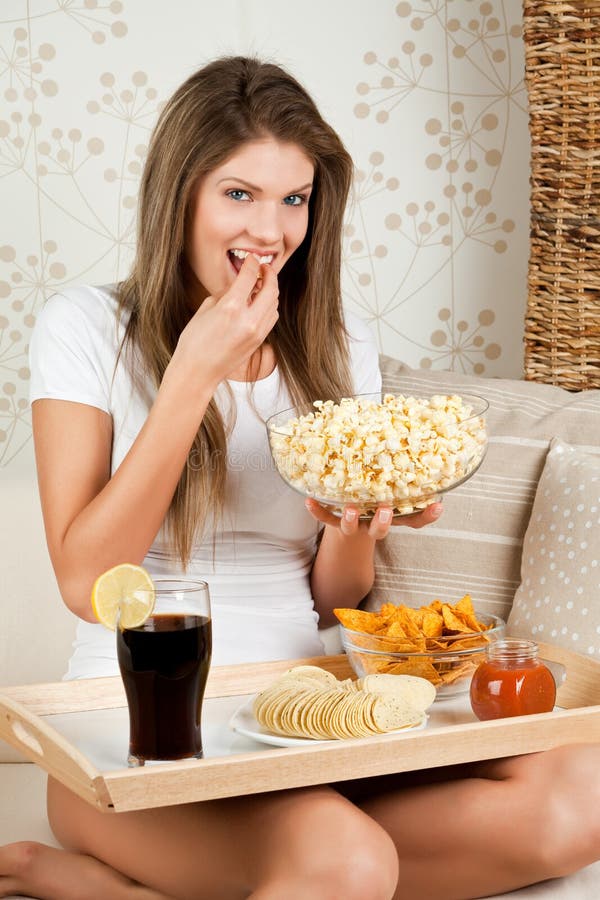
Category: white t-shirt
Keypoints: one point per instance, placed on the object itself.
(258, 568)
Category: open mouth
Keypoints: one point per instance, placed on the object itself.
(237, 257)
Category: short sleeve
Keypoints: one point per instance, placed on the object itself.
(69, 353)
(364, 356)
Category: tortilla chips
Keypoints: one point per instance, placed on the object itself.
(432, 638)
(309, 702)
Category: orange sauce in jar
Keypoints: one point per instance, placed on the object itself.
(512, 681)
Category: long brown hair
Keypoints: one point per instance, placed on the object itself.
(222, 106)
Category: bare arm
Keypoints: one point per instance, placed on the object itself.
(94, 521)
(343, 572)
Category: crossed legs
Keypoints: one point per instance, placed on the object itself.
(467, 833)
(512, 822)
(268, 846)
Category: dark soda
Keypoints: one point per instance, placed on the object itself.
(164, 665)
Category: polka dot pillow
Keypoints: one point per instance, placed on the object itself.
(557, 600)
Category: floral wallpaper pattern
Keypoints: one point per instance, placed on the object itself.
(428, 96)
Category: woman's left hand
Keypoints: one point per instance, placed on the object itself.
(378, 527)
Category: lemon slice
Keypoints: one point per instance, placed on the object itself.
(127, 588)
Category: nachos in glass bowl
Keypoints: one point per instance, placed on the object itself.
(442, 643)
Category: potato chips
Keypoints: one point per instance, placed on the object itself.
(309, 702)
(427, 642)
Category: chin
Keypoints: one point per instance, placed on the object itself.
(217, 287)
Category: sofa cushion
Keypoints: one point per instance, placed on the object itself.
(560, 566)
(37, 628)
(582, 885)
(476, 545)
(23, 813)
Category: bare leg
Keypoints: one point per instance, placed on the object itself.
(36, 870)
(293, 844)
(499, 825)
(516, 821)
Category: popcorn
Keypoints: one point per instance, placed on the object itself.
(401, 452)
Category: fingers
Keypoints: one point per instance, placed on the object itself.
(425, 517)
(349, 523)
(380, 523)
(321, 514)
(383, 518)
(254, 281)
(266, 285)
(245, 282)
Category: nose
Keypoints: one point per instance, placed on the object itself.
(265, 224)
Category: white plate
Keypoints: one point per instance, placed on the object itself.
(243, 722)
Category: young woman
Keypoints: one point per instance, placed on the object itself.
(149, 406)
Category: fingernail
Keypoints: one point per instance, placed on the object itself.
(385, 516)
(349, 515)
(436, 510)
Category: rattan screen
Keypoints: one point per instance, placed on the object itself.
(562, 60)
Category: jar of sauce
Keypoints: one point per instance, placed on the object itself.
(512, 681)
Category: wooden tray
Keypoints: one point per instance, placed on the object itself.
(452, 736)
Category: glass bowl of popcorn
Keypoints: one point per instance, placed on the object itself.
(381, 449)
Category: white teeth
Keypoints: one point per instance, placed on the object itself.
(242, 254)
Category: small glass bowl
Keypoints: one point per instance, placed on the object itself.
(450, 670)
(300, 468)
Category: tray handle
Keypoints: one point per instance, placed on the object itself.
(44, 745)
(582, 684)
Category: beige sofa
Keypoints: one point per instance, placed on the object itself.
(476, 546)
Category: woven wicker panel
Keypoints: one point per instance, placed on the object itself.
(562, 63)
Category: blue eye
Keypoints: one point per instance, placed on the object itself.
(295, 200)
(238, 194)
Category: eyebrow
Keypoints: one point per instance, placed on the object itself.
(254, 187)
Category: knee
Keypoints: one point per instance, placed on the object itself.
(555, 848)
(364, 865)
(360, 860)
(566, 826)
(337, 851)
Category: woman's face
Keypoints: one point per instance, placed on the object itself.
(255, 202)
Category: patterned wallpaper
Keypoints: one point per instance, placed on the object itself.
(428, 96)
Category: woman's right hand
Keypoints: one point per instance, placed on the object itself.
(225, 331)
